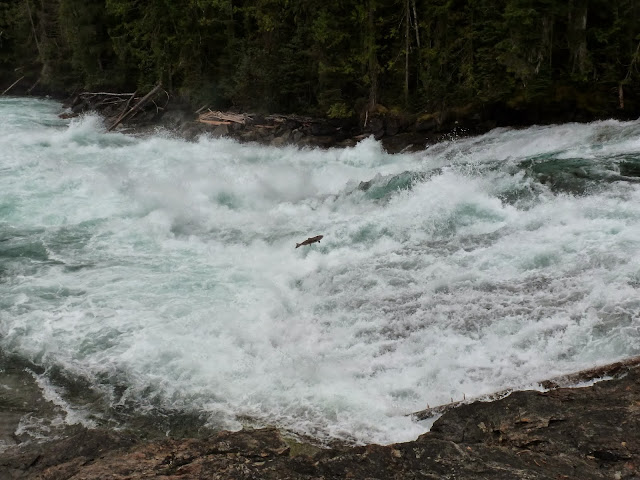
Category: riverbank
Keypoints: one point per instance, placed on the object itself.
(587, 432)
(396, 131)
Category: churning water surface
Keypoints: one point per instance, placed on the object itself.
(162, 273)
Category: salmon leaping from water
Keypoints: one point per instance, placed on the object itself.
(310, 240)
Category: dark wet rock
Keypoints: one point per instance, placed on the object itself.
(297, 135)
(62, 458)
(282, 139)
(427, 123)
(375, 125)
(318, 141)
(322, 128)
(220, 131)
(409, 141)
(392, 126)
(24, 412)
(176, 117)
(630, 168)
(193, 130)
(291, 124)
(257, 119)
(566, 433)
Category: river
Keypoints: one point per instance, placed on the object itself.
(162, 276)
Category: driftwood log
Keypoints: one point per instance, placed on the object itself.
(223, 118)
(612, 370)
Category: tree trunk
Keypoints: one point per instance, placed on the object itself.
(33, 29)
(372, 57)
(578, 36)
(407, 19)
(417, 32)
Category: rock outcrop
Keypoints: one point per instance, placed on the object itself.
(566, 433)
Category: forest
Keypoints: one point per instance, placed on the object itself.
(335, 58)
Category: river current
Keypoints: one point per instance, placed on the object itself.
(162, 275)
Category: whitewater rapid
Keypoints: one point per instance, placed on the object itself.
(164, 273)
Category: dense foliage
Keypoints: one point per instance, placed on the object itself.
(336, 57)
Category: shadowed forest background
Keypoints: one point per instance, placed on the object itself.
(531, 60)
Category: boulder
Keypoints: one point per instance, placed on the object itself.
(220, 131)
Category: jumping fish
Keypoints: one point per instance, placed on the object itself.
(310, 240)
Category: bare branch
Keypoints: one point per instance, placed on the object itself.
(13, 85)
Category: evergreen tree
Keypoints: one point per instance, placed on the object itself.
(337, 58)
(84, 30)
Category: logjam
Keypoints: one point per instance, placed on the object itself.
(610, 370)
(125, 109)
(133, 110)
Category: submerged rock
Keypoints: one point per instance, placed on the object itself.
(566, 433)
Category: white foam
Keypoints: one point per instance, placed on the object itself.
(72, 415)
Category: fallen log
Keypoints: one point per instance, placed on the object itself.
(216, 122)
(136, 107)
(223, 116)
(107, 94)
(125, 109)
(201, 109)
(610, 370)
(13, 85)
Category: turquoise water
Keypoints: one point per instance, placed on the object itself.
(162, 274)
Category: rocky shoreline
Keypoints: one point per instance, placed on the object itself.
(397, 132)
(590, 432)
